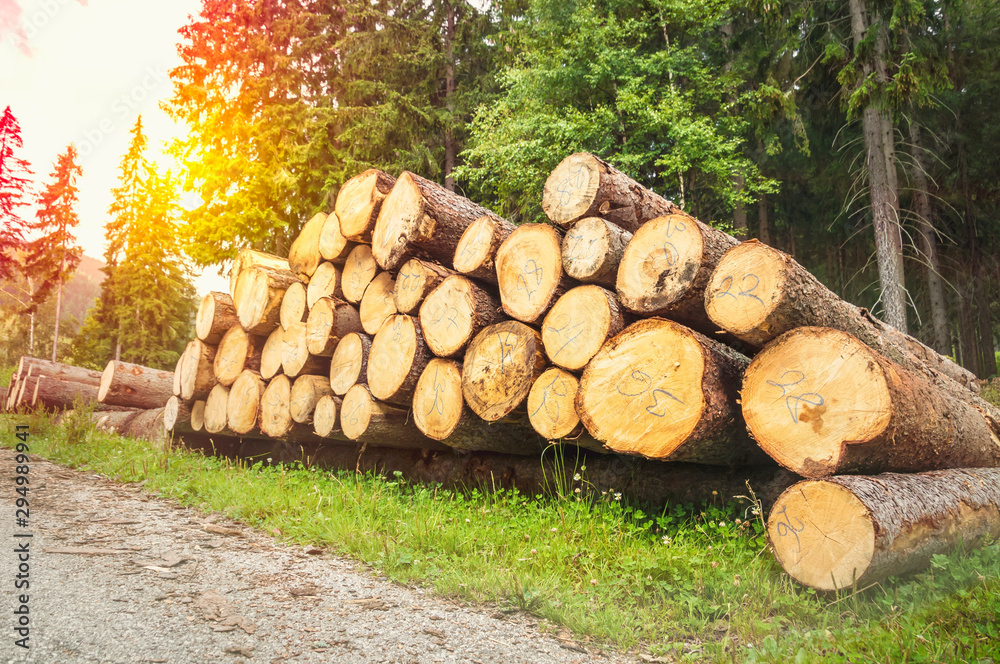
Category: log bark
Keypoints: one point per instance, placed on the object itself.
(329, 321)
(197, 371)
(440, 413)
(303, 255)
(237, 351)
(140, 424)
(294, 306)
(416, 279)
(249, 258)
(349, 364)
(271, 354)
(821, 403)
(579, 323)
(397, 357)
(58, 394)
(177, 417)
(216, 315)
(377, 304)
(325, 420)
(359, 270)
(840, 532)
(359, 202)
(216, 416)
(243, 403)
(502, 363)
(583, 185)
(258, 298)
(666, 267)
(333, 246)
(295, 357)
(421, 216)
(135, 386)
(593, 249)
(664, 391)
(39, 367)
(758, 293)
(368, 421)
(306, 392)
(477, 248)
(454, 312)
(198, 415)
(530, 273)
(325, 282)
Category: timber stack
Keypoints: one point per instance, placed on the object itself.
(415, 330)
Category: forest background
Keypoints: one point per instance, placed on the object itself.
(856, 135)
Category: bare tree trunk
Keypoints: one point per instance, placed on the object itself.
(763, 222)
(988, 358)
(55, 332)
(31, 325)
(449, 133)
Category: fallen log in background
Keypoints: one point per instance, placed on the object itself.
(477, 248)
(359, 202)
(59, 394)
(216, 315)
(592, 250)
(579, 323)
(530, 273)
(135, 386)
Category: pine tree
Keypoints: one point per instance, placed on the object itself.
(53, 256)
(15, 188)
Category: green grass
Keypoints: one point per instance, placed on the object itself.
(689, 584)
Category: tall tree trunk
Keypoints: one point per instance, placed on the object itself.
(449, 81)
(967, 332)
(763, 222)
(928, 245)
(988, 358)
(31, 322)
(740, 211)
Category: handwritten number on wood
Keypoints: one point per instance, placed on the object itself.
(794, 377)
(786, 527)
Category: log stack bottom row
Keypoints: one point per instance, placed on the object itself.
(440, 340)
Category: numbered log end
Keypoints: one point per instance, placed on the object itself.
(349, 363)
(303, 255)
(243, 403)
(271, 354)
(198, 415)
(275, 413)
(306, 392)
(325, 282)
(437, 401)
(745, 289)
(215, 316)
(215, 415)
(294, 305)
(333, 246)
(578, 325)
(571, 188)
(356, 411)
(397, 357)
(478, 246)
(593, 249)
(399, 223)
(501, 364)
(359, 270)
(529, 271)
(377, 304)
(452, 314)
(359, 202)
(329, 320)
(325, 420)
(232, 354)
(552, 404)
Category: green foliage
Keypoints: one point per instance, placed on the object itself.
(15, 187)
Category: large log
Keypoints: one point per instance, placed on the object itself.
(477, 248)
(439, 412)
(416, 279)
(843, 532)
(216, 414)
(552, 405)
(197, 371)
(325, 420)
(821, 403)
(530, 273)
(276, 414)
(396, 359)
(369, 421)
(349, 364)
(237, 351)
(664, 391)
(666, 267)
(359, 270)
(295, 357)
(377, 304)
(58, 394)
(303, 255)
(501, 364)
(758, 293)
(579, 323)
(325, 282)
(135, 386)
(258, 298)
(359, 202)
(271, 354)
(419, 215)
(333, 246)
(454, 312)
(593, 249)
(243, 403)
(216, 315)
(249, 258)
(329, 321)
(294, 306)
(306, 392)
(38, 367)
(583, 185)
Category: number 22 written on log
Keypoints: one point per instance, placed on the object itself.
(746, 292)
(792, 401)
(658, 407)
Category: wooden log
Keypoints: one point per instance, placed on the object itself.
(552, 405)
(325, 420)
(3, 393)
(333, 246)
(396, 359)
(325, 282)
(359, 202)
(666, 267)
(377, 304)
(295, 357)
(579, 323)
(294, 306)
(275, 412)
(420, 215)
(271, 354)
(306, 391)
(217, 409)
(243, 403)
(258, 298)
(416, 279)
(359, 270)
(197, 371)
(216, 315)
(583, 185)
(454, 312)
(56, 394)
(177, 416)
(303, 255)
(249, 258)
(821, 403)
(758, 293)
(369, 421)
(664, 391)
(329, 321)
(477, 248)
(25, 390)
(142, 424)
(134, 386)
(530, 273)
(440, 413)
(593, 249)
(198, 415)
(349, 364)
(179, 371)
(237, 351)
(501, 364)
(38, 367)
(843, 532)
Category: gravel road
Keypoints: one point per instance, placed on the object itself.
(118, 575)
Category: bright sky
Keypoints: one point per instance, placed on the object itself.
(80, 72)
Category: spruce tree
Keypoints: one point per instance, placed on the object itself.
(15, 189)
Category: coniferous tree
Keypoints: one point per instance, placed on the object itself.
(15, 189)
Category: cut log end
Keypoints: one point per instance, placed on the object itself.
(107, 376)
(398, 223)
(660, 264)
(396, 353)
(271, 354)
(306, 392)
(358, 203)
(437, 401)
(578, 325)
(359, 270)
(452, 314)
(356, 411)
(349, 363)
(529, 271)
(215, 414)
(232, 354)
(501, 365)
(303, 255)
(325, 421)
(325, 282)
(477, 246)
(294, 306)
(571, 188)
(746, 286)
(329, 321)
(592, 250)
(275, 414)
(198, 415)
(333, 246)
(216, 314)
(552, 404)
(377, 304)
(243, 404)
